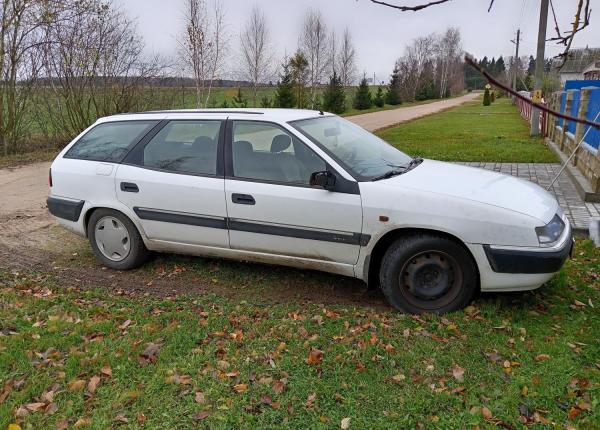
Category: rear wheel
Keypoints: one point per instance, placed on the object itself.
(115, 240)
(428, 273)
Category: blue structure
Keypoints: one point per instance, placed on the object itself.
(593, 136)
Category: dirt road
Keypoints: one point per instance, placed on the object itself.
(377, 120)
(31, 240)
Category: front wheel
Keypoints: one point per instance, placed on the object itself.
(115, 240)
(428, 273)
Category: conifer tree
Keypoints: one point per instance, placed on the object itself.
(392, 96)
(362, 99)
(334, 98)
(379, 100)
(285, 97)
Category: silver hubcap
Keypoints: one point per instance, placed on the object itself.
(112, 238)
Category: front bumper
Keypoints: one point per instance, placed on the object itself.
(530, 261)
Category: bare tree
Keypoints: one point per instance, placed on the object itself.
(449, 52)
(346, 60)
(202, 45)
(21, 22)
(314, 41)
(257, 57)
(93, 66)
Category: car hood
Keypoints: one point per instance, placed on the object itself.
(479, 185)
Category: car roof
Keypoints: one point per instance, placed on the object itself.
(277, 115)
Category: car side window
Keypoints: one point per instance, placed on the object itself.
(184, 147)
(266, 152)
(109, 141)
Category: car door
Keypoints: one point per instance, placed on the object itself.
(174, 184)
(271, 206)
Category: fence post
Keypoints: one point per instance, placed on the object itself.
(565, 123)
(584, 98)
(555, 103)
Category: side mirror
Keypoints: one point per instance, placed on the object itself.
(323, 179)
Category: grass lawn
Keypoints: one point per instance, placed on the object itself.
(472, 132)
(85, 358)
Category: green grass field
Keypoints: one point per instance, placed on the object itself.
(471, 132)
(85, 358)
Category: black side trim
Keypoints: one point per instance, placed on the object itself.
(275, 230)
(527, 262)
(65, 209)
(180, 218)
(251, 227)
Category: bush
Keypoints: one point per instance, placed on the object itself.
(334, 97)
(239, 100)
(493, 96)
(266, 102)
(379, 101)
(362, 99)
(487, 98)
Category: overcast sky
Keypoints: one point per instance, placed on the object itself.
(379, 33)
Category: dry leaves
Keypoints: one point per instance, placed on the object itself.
(315, 357)
(240, 388)
(458, 373)
(345, 424)
(149, 355)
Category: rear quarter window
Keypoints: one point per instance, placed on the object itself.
(109, 141)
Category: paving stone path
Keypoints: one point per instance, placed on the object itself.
(542, 174)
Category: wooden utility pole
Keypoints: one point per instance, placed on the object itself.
(539, 67)
(516, 64)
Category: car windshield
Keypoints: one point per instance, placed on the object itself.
(363, 154)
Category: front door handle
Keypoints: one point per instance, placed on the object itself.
(129, 187)
(243, 199)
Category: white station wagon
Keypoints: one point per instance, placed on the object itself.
(306, 189)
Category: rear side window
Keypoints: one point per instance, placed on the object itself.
(109, 141)
(185, 147)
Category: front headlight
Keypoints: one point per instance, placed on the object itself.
(551, 232)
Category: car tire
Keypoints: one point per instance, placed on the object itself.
(428, 273)
(115, 240)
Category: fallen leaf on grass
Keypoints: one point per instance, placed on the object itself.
(311, 400)
(345, 424)
(240, 388)
(199, 397)
(76, 385)
(14, 427)
(82, 422)
(315, 357)
(542, 357)
(106, 371)
(202, 415)
(149, 355)
(93, 384)
(487, 414)
(279, 386)
(458, 373)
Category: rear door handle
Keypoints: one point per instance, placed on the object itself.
(129, 187)
(243, 199)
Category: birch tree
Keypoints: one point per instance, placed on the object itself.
(314, 44)
(256, 55)
(346, 60)
(202, 45)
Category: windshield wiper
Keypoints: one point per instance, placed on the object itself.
(399, 169)
(389, 174)
(414, 163)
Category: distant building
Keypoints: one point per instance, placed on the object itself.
(579, 63)
(592, 72)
